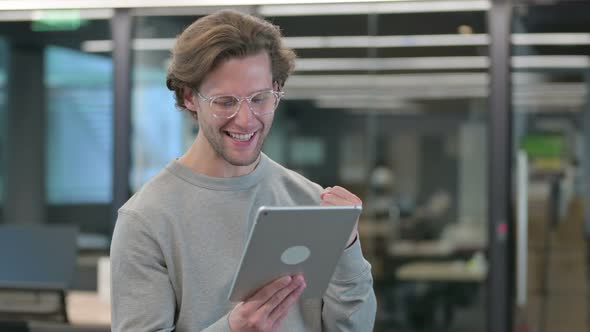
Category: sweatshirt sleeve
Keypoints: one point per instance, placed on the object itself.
(142, 296)
(349, 303)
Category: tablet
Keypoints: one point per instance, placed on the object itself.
(290, 240)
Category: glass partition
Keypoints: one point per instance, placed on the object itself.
(426, 214)
(160, 131)
(59, 101)
(78, 156)
(3, 65)
(79, 127)
(551, 114)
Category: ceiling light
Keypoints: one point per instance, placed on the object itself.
(570, 38)
(386, 41)
(439, 63)
(392, 81)
(32, 15)
(327, 102)
(139, 44)
(144, 44)
(337, 41)
(97, 46)
(375, 64)
(550, 61)
(434, 40)
(375, 8)
(403, 7)
(395, 93)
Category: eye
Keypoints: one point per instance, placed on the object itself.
(260, 98)
(225, 101)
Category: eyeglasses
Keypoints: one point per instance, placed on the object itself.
(227, 106)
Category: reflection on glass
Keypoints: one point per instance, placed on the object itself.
(157, 135)
(160, 132)
(79, 127)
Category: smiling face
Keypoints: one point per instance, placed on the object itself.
(235, 142)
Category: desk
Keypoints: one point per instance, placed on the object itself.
(456, 238)
(415, 249)
(471, 236)
(447, 284)
(85, 308)
(369, 228)
(441, 272)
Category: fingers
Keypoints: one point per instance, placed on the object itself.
(291, 294)
(339, 196)
(279, 297)
(268, 306)
(330, 199)
(262, 296)
(280, 312)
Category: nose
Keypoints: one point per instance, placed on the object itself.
(245, 116)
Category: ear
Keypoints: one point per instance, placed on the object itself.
(189, 99)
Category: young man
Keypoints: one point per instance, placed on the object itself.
(178, 241)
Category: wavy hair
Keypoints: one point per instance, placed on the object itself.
(220, 36)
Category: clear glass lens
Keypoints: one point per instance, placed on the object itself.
(263, 102)
(260, 103)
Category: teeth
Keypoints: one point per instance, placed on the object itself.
(241, 137)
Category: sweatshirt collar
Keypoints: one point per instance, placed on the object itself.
(219, 183)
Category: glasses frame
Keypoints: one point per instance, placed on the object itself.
(278, 95)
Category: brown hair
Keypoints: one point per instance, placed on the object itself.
(220, 36)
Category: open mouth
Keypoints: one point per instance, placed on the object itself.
(240, 137)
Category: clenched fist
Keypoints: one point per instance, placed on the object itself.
(338, 196)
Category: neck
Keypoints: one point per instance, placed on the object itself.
(203, 159)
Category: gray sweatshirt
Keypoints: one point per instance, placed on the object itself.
(178, 241)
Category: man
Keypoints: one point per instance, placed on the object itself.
(178, 241)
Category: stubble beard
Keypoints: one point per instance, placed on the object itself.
(215, 140)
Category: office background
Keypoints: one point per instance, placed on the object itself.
(422, 108)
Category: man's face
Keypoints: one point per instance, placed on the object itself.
(237, 140)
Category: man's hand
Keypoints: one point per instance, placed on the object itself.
(337, 196)
(265, 310)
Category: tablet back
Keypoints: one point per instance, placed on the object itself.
(290, 240)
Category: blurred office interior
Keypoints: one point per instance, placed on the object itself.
(464, 125)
